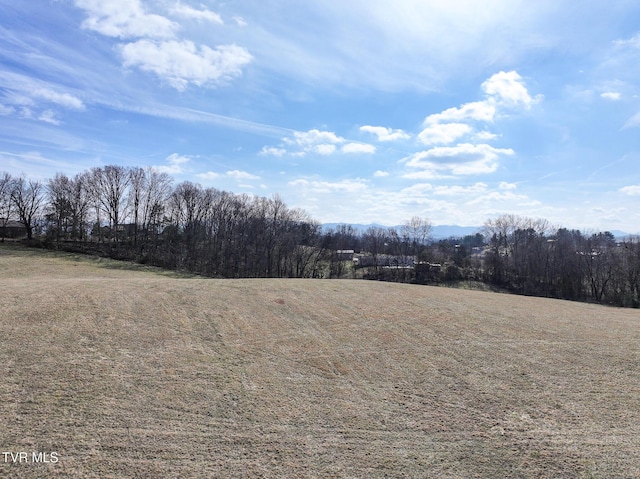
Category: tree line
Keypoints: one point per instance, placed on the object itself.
(138, 214)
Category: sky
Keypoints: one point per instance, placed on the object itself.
(356, 111)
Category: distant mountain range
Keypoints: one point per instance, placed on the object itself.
(441, 231)
(437, 232)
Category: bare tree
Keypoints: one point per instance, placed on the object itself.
(27, 197)
(509, 237)
(59, 205)
(599, 263)
(157, 188)
(108, 186)
(68, 205)
(374, 241)
(418, 231)
(137, 179)
(6, 205)
(188, 206)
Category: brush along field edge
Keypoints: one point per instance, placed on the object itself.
(131, 372)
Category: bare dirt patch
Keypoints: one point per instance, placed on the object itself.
(131, 373)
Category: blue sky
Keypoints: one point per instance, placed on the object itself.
(356, 111)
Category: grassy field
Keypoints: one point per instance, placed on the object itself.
(130, 372)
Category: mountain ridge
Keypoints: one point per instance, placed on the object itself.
(439, 232)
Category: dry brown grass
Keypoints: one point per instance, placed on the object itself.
(128, 373)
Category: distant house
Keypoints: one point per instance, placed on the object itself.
(345, 254)
(12, 229)
(122, 230)
(126, 230)
(385, 261)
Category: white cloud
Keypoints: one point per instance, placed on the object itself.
(209, 175)
(155, 47)
(611, 95)
(319, 142)
(462, 159)
(175, 166)
(63, 99)
(506, 199)
(124, 19)
(190, 12)
(443, 133)
(273, 151)
(314, 137)
(507, 88)
(458, 190)
(385, 134)
(235, 174)
(324, 149)
(632, 190)
(503, 90)
(358, 148)
(478, 111)
(419, 189)
(241, 175)
(381, 174)
(507, 186)
(181, 62)
(349, 186)
(485, 136)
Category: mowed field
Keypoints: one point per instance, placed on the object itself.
(129, 372)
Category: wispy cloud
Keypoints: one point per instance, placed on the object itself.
(49, 116)
(63, 99)
(7, 110)
(161, 110)
(393, 47)
(39, 166)
(633, 42)
(27, 98)
(633, 122)
(240, 21)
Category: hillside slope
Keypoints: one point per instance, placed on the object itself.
(125, 372)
